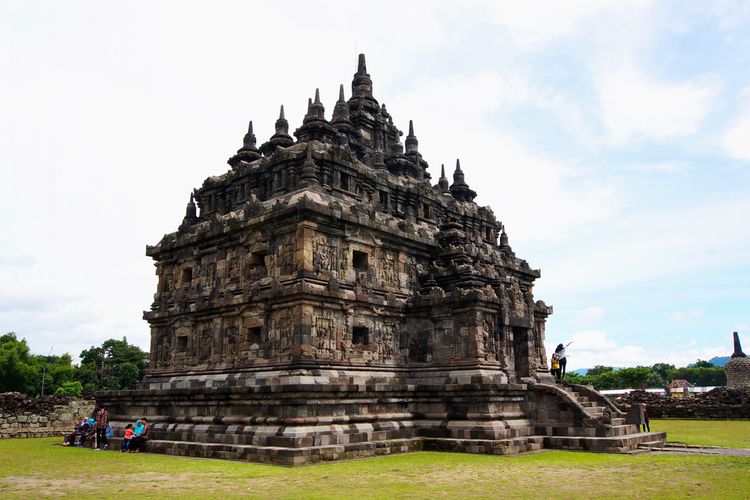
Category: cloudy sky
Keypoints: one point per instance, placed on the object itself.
(611, 138)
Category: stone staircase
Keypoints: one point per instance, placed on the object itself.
(598, 425)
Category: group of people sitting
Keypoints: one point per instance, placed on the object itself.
(98, 427)
(135, 437)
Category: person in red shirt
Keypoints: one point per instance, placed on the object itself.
(127, 437)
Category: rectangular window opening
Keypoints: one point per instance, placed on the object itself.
(258, 258)
(426, 210)
(384, 200)
(187, 276)
(359, 260)
(253, 334)
(344, 181)
(182, 343)
(360, 335)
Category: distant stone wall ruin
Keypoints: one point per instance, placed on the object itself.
(722, 403)
(41, 417)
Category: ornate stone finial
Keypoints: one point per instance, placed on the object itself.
(307, 175)
(412, 144)
(248, 152)
(458, 175)
(281, 138)
(737, 347)
(282, 126)
(459, 189)
(361, 84)
(190, 213)
(341, 109)
(504, 238)
(249, 141)
(738, 367)
(315, 109)
(443, 181)
(314, 125)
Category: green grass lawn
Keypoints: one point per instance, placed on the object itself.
(40, 467)
(726, 433)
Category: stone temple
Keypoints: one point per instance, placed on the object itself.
(326, 300)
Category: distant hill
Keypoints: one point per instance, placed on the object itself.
(720, 360)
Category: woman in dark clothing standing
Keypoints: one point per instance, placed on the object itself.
(561, 358)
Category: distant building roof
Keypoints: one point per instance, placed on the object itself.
(679, 384)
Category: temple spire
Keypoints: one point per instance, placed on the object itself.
(737, 347)
(190, 214)
(248, 152)
(504, 238)
(341, 110)
(307, 175)
(315, 109)
(281, 138)
(361, 84)
(250, 139)
(282, 126)
(458, 175)
(314, 125)
(412, 144)
(443, 181)
(459, 189)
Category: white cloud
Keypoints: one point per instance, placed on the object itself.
(635, 106)
(640, 247)
(534, 23)
(658, 167)
(683, 315)
(589, 316)
(736, 141)
(593, 340)
(591, 348)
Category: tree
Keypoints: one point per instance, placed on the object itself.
(21, 371)
(15, 369)
(114, 365)
(664, 371)
(607, 380)
(638, 377)
(703, 377)
(702, 364)
(598, 370)
(71, 388)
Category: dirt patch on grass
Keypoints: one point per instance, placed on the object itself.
(41, 485)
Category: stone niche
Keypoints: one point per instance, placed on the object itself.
(324, 299)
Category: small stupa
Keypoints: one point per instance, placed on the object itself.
(738, 368)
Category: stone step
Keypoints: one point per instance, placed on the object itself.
(282, 455)
(491, 447)
(613, 431)
(611, 444)
(651, 444)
